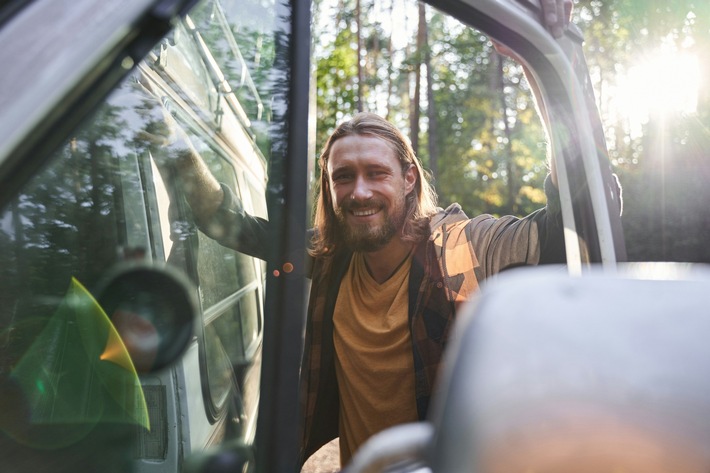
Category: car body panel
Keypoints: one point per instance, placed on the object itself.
(84, 42)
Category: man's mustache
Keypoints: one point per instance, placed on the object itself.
(350, 204)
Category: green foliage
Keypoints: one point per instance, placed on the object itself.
(473, 153)
(488, 168)
(665, 169)
(336, 84)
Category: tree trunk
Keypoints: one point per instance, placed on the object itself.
(431, 105)
(416, 103)
(390, 53)
(359, 55)
(512, 191)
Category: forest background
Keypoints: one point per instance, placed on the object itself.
(469, 114)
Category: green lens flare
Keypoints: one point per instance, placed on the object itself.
(76, 374)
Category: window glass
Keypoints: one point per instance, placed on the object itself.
(185, 81)
(67, 228)
(251, 326)
(113, 193)
(238, 36)
(72, 220)
(231, 337)
(219, 370)
(256, 197)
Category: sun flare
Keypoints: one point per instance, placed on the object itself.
(662, 84)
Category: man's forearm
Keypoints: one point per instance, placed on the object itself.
(202, 190)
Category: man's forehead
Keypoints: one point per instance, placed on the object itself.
(361, 147)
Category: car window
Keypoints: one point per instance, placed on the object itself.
(60, 235)
(109, 197)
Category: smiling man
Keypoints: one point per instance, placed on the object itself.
(390, 269)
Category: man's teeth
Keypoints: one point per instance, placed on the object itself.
(364, 213)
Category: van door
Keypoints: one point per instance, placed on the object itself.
(86, 190)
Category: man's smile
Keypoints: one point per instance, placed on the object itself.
(365, 212)
(363, 209)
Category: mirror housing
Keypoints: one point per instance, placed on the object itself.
(603, 372)
(404, 445)
(153, 308)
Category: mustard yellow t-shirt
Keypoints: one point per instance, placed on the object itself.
(373, 363)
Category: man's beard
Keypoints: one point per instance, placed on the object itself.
(370, 237)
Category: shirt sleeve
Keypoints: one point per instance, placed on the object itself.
(507, 242)
(233, 227)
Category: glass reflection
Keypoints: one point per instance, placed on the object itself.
(116, 191)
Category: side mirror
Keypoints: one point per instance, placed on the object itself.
(153, 310)
(78, 376)
(405, 446)
(604, 372)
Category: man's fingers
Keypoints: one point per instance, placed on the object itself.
(549, 12)
(555, 15)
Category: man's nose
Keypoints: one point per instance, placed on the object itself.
(361, 189)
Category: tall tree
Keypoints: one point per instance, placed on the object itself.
(510, 205)
(390, 63)
(431, 105)
(416, 101)
(358, 34)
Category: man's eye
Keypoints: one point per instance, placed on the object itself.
(342, 177)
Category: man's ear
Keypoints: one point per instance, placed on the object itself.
(410, 179)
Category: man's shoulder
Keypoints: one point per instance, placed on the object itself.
(455, 219)
(451, 214)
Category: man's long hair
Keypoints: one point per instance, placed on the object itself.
(420, 204)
